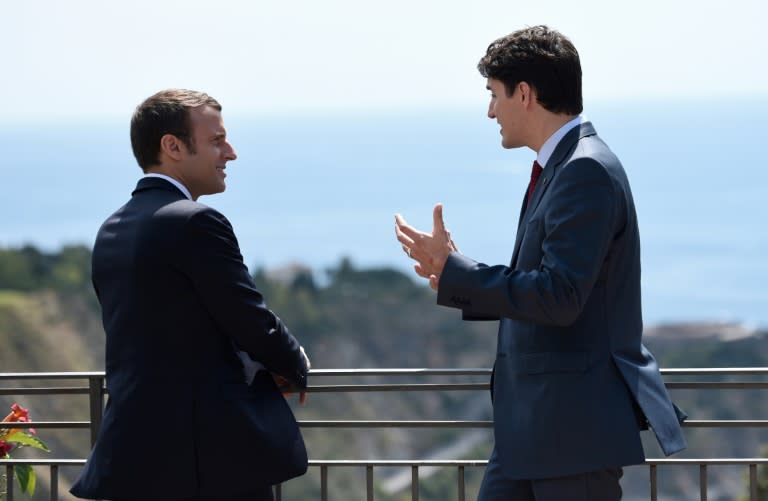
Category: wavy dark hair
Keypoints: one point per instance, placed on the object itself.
(541, 57)
(166, 112)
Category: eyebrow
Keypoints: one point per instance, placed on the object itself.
(219, 135)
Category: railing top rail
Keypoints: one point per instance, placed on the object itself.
(50, 375)
(423, 371)
(677, 371)
(715, 371)
(422, 462)
(402, 372)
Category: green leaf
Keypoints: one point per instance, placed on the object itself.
(25, 438)
(26, 477)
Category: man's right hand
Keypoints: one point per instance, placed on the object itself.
(285, 385)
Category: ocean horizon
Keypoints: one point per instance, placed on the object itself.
(313, 189)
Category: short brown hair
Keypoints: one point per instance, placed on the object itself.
(166, 112)
(542, 57)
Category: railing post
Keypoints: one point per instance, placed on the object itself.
(753, 482)
(703, 481)
(54, 482)
(9, 482)
(414, 483)
(654, 484)
(96, 404)
(278, 492)
(324, 483)
(369, 482)
(462, 494)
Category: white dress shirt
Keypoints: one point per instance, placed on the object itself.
(546, 150)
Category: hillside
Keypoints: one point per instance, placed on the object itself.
(355, 318)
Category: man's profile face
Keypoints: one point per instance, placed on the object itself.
(203, 171)
(508, 112)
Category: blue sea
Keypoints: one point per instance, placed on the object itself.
(314, 188)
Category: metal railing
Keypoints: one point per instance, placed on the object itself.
(96, 390)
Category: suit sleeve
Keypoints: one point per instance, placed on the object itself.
(579, 225)
(213, 263)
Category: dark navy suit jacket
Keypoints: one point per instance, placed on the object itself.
(176, 301)
(573, 384)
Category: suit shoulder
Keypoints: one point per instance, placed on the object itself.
(584, 168)
(182, 208)
(188, 212)
(594, 148)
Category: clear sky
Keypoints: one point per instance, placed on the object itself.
(89, 57)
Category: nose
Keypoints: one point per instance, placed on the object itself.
(491, 113)
(231, 155)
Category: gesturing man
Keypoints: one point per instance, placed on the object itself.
(572, 383)
(190, 342)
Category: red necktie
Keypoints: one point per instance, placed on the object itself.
(535, 173)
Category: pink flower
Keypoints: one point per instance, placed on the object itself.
(18, 414)
(5, 448)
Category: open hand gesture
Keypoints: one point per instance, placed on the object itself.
(430, 251)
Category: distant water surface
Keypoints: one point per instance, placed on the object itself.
(313, 189)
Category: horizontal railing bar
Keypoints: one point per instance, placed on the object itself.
(53, 390)
(398, 462)
(715, 371)
(743, 385)
(398, 387)
(683, 371)
(719, 385)
(47, 424)
(401, 372)
(708, 461)
(50, 375)
(422, 462)
(341, 388)
(691, 423)
(44, 462)
(725, 423)
(394, 424)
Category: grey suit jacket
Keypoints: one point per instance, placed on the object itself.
(573, 384)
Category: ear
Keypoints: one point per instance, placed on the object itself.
(527, 94)
(172, 146)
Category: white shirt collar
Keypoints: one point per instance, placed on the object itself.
(174, 182)
(550, 144)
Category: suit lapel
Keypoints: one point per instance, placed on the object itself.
(561, 153)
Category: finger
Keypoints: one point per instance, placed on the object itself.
(433, 282)
(438, 226)
(420, 271)
(403, 238)
(408, 230)
(306, 358)
(303, 398)
(451, 243)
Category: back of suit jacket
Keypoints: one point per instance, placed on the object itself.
(176, 300)
(573, 383)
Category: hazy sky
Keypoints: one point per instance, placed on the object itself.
(90, 57)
